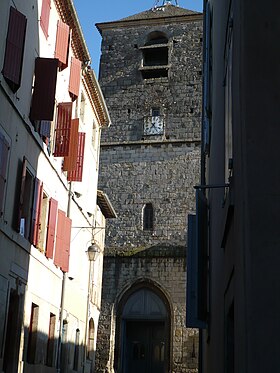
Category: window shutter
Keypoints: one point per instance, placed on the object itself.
(192, 319)
(66, 244)
(202, 250)
(70, 161)
(75, 77)
(36, 211)
(21, 195)
(51, 227)
(77, 174)
(59, 239)
(14, 49)
(62, 44)
(63, 127)
(45, 16)
(4, 152)
(44, 89)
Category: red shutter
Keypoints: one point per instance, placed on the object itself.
(44, 89)
(21, 195)
(36, 211)
(14, 49)
(4, 151)
(77, 174)
(66, 244)
(59, 239)
(70, 161)
(62, 44)
(51, 227)
(45, 16)
(63, 127)
(75, 77)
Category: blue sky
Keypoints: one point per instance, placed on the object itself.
(94, 11)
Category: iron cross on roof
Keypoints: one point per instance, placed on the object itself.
(165, 2)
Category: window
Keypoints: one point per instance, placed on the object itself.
(90, 344)
(155, 56)
(43, 221)
(26, 201)
(63, 127)
(51, 344)
(148, 217)
(51, 228)
(64, 347)
(15, 41)
(82, 108)
(32, 335)
(33, 208)
(76, 350)
(4, 158)
(45, 16)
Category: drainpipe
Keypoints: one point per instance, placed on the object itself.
(58, 358)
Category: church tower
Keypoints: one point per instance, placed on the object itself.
(151, 78)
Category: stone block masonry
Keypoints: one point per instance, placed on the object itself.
(137, 169)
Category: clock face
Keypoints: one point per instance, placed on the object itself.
(154, 127)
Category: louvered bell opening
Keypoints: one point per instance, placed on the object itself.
(43, 98)
(15, 40)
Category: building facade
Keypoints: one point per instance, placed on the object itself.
(51, 114)
(240, 184)
(151, 75)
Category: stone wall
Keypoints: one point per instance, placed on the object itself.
(165, 268)
(163, 175)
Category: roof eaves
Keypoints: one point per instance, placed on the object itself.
(105, 205)
(68, 14)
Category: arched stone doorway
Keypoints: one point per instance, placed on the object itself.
(144, 333)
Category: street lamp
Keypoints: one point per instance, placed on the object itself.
(92, 253)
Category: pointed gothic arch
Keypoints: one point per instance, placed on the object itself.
(143, 330)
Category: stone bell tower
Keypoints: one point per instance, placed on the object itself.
(151, 77)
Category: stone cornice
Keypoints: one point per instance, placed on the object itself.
(104, 26)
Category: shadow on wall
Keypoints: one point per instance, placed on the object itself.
(41, 353)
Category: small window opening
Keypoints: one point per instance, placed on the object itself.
(51, 341)
(148, 217)
(155, 112)
(76, 350)
(155, 57)
(82, 108)
(32, 335)
(90, 345)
